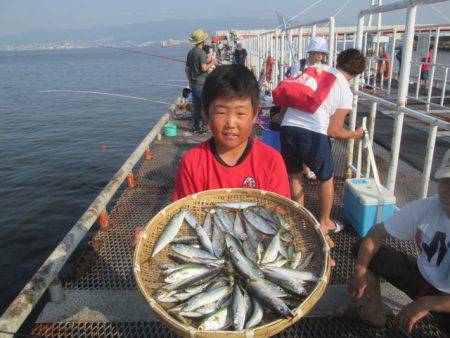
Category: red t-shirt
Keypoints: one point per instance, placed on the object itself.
(260, 167)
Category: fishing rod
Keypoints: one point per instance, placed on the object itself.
(103, 93)
(133, 51)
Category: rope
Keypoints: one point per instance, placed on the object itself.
(147, 53)
(301, 12)
(340, 9)
(439, 12)
(102, 93)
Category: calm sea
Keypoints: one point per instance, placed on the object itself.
(52, 165)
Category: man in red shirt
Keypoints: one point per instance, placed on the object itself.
(231, 158)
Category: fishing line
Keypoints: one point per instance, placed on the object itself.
(340, 9)
(300, 13)
(148, 54)
(103, 93)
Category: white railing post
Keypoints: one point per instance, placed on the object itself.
(444, 84)
(428, 160)
(300, 43)
(314, 30)
(331, 42)
(372, 120)
(402, 93)
(431, 78)
(351, 142)
(391, 72)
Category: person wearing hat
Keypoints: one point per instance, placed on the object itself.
(425, 279)
(196, 70)
(317, 50)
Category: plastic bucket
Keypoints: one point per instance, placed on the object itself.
(170, 129)
(272, 138)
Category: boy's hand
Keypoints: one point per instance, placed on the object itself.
(138, 234)
(411, 314)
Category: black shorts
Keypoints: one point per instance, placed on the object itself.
(402, 272)
(301, 146)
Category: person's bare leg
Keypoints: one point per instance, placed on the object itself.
(373, 309)
(326, 195)
(295, 183)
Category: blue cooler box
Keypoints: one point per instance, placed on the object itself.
(361, 203)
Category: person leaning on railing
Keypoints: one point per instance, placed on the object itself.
(426, 279)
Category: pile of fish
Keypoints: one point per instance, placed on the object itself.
(241, 264)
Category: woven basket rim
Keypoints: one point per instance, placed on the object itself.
(268, 328)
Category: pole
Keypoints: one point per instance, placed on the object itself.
(331, 42)
(402, 93)
(428, 160)
(430, 85)
(391, 72)
(351, 142)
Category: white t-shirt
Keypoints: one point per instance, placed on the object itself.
(340, 97)
(425, 222)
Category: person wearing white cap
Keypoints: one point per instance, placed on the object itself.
(196, 69)
(425, 279)
(317, 50)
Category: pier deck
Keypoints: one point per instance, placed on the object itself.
(101, 298)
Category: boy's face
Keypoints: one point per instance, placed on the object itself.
(231, 121)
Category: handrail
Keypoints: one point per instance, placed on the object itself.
(408, 111)
(20, 308)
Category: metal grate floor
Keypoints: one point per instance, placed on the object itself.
(307, 327)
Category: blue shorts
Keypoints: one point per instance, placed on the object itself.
(301, 146)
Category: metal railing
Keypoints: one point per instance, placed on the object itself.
(271, 43)
(23, 304)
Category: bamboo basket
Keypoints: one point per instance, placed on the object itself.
(307, 238)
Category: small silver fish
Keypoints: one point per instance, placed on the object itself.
(169, 232)
(191, 219)
(185, 273)
(189, 240)
(278, 263)
(272, 250)
(295, 260)
(257, 314)
(218, 241)
(296, 274)
(252, 234)
(212, 295)
(207, 225)
(282, 221)
(286, 282)
(249, 251)
(238, 307)
(216, 321)
(276, 305)
(190, 251)
(204, 240)
(237, 205)
(305, 264)
(258, 222)
(239, 228)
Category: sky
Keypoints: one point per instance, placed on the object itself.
(21, 16)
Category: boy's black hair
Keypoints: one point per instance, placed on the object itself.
(207, 49)
(351, 61)
(185, 93)
(230, 82)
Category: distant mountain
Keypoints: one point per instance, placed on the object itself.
(137, 33)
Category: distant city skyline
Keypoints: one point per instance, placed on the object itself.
(24, 16)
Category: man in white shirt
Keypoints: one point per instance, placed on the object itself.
(426, 279)
(305, 136)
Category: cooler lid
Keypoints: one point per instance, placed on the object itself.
(367, 192)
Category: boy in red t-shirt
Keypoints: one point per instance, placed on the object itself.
(232, 158)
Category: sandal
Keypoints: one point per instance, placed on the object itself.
(339, 227)
(311, 176)
(353, 313)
